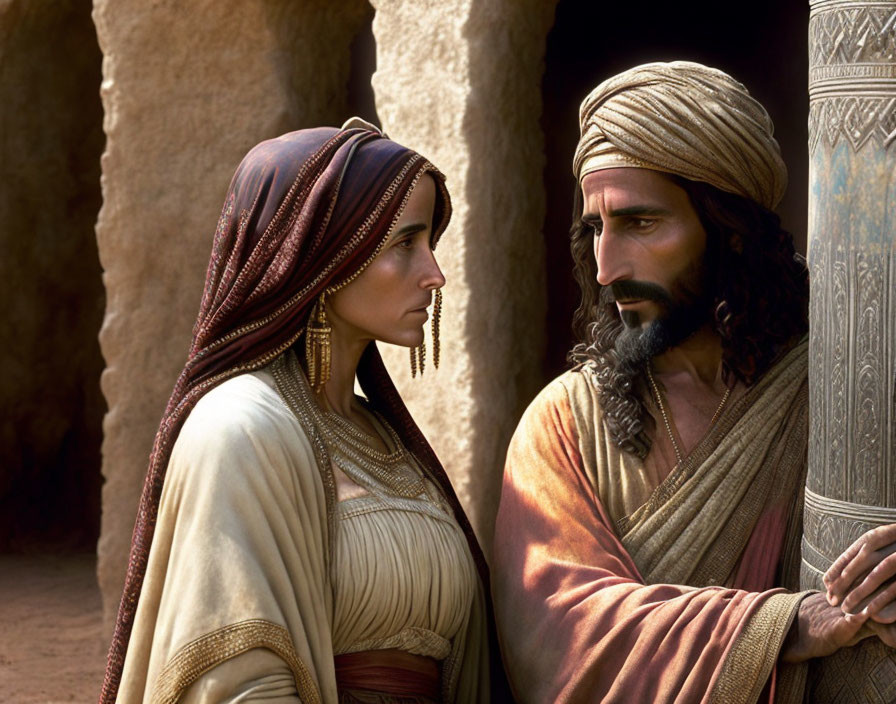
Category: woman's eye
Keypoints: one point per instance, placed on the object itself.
(406, 243)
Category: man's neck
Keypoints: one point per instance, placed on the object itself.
(699, 357)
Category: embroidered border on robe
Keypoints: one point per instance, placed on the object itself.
(210, 650)
(755, 652)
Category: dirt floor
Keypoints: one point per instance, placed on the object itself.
(51, 643)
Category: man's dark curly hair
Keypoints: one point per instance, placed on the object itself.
(760, 299)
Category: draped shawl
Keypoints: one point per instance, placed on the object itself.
(677, 601)
(304, 212)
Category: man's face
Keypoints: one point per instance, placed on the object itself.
(649, 247)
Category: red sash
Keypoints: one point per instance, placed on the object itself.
(392, 672)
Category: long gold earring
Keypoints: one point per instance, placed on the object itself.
(418, 359)
(317, 345)
(436, 315)
(418, 354)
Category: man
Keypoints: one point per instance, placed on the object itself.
(651, 507)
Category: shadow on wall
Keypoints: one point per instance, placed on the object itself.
(50, 278)
(764, 46)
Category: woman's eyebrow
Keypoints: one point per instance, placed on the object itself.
(409, 229)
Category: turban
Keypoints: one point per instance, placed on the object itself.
(686, 119)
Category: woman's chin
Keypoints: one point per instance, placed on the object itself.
(409, 339)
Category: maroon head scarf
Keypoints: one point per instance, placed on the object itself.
(304, 212)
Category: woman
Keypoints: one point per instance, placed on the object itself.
(305, 543)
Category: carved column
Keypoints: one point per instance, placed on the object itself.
(851, 485)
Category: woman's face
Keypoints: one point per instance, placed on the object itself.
(388, 300)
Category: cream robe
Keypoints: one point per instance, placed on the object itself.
(242, 598)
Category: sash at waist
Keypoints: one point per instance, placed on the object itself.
(403, 675)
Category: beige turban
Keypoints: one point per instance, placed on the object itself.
(686, 119)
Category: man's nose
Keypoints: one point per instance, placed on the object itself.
(611, 259)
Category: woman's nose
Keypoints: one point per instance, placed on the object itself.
(433, 277)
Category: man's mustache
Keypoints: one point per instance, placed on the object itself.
(632, 290)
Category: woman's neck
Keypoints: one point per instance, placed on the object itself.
(345, 353)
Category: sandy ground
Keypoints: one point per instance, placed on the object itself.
(51, 643)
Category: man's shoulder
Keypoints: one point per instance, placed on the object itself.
(572, 391)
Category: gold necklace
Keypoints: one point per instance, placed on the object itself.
(659, 401)
(393, 472)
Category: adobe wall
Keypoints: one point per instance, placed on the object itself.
(460, 82)
(177, 123)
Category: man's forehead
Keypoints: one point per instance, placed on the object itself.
(625, 187)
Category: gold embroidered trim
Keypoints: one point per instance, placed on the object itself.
(362, 505)
(280, 370)
(419, 641)
(755, 651)
(204, 653)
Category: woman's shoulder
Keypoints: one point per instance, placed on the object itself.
(243, 418)
(244, 402)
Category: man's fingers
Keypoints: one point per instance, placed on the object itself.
(882, 606)
(881, 536)
(836, 570)
(859, 557)
(851, 579)
(835, 580)
(867, 567)
(886, 615)
(886, 632)
(878, 578)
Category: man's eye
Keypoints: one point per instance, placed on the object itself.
(595, 227)
(642, 223)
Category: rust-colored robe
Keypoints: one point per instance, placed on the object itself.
(597, 602)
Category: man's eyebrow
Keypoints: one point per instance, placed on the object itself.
(638, 210)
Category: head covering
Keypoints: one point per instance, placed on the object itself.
(305, 212)
(685, 119)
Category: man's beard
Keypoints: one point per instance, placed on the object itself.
(683, 311)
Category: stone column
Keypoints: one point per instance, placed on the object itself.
(188, 89)
(851, 486)
(460, 81)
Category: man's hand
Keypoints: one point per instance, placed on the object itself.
(863, 578)
(820, 629)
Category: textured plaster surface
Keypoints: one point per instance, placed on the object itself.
(188, 89)
(460, 81)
